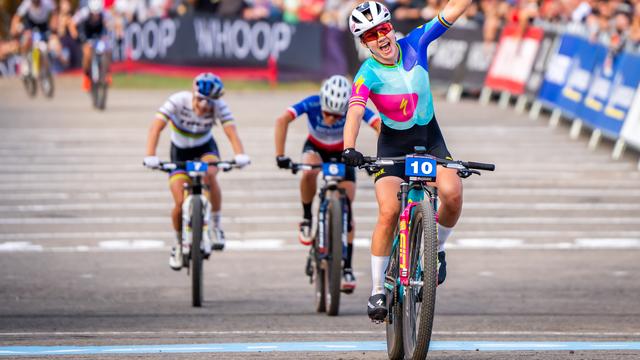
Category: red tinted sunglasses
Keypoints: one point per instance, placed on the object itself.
(374, 33)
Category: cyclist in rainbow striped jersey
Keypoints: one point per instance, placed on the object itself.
(325, 121)
(396, 79)
(191, 115)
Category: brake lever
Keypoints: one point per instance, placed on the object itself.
(468, 172)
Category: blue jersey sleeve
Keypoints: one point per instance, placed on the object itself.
(423, 35)
(303, 106)
(370, 117)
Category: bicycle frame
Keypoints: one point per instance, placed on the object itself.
(411, 194)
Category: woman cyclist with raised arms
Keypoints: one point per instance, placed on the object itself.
(191, 115)
(396, 79)
(325, 120)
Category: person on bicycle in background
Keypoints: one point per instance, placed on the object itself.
(91, 24)
(325, 120)
(32, 15)
(191, 115)
(396, 79)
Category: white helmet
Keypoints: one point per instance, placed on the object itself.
(366, 16)
(335, 94)
(95, 6)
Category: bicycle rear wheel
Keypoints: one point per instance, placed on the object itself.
(196, 253)
(419, 299)
(30, 85)
(101, 86)
(333, 270)
(395, 349)
(46, 82)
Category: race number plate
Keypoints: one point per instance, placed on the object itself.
(197, 166)
(420, 167)
(333, 169)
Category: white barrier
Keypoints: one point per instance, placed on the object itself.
(631, 129)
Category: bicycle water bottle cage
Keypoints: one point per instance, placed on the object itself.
(420, 149)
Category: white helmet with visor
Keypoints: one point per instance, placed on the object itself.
(335, 94)
(366, 16)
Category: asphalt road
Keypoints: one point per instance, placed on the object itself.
(547, 249)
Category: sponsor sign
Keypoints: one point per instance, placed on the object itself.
(9, 66)
(514, 59)
(614, 108)
(579, 77)
(201, 40)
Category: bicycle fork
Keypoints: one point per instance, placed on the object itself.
(186, 222)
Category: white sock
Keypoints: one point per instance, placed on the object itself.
(216, 216)
(443, 234)
(378, 266)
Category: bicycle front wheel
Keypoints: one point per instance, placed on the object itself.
(196, 253)
(333, 271)
(420, 296)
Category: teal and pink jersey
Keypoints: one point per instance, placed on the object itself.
(401, 92)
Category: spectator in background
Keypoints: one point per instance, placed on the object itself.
(337, 12)
(231, 8)
(473, 15)
(634, 32)
(64, 49)
(261, 10)
(581, 10)
(302, 10)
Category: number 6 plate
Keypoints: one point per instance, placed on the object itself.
(420, 167)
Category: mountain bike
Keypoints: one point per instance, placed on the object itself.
(329, 248)
(411, 277)
(36, 70)
(197, 233)
(98, 74)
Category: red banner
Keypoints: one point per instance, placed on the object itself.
(514, 59)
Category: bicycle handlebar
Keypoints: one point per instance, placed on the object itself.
(168, 166)
(295, 167)
(464, 167)
(455, 164)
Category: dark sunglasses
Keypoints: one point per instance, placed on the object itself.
(374, 33)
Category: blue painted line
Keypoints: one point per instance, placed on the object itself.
(313, 347)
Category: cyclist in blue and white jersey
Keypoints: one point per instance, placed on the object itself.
(90, 24)
(325, 120)
(191, 115)
(396, 79)
(32, 15)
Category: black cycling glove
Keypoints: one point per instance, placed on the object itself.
(284, 162)
(352, 157)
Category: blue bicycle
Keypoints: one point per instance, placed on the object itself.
(329, 249)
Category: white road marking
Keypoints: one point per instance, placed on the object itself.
(92, 206)
(282, 245)
(315, 332)
(19, 246)
(291, 234)
(131, 244)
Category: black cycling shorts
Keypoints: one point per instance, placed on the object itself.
(326, 156)
(392, 143)
(208, 149)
